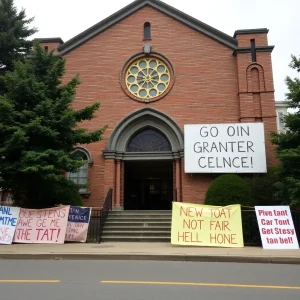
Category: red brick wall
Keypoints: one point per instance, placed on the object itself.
(206, 90)
(51, 46)
(244, 39)
(259, 105)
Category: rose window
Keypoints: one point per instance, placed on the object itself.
(147, 78)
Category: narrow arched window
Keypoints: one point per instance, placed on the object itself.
(255, 80)
(80, 176)
(147, 31)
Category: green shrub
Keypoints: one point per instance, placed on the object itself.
(69, 196)
(63, 194)
(229, 189)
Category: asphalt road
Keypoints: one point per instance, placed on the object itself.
(143, 280)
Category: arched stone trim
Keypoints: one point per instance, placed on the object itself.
(261, 78)
(86, 152)
(137, 121)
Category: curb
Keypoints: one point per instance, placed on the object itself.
(154, 257)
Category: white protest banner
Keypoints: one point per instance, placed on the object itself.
(78, 224)
(8, 222)
(225, 148)
(276, 227)
(42, 226)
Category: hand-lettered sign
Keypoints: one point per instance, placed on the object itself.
(8, 222)
(224, 148)
(42, 226)
(205, 225)
(78, 224)
(276, 227)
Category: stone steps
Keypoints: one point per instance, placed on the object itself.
(140, 212)
(138, 223)
(131, 233)
(148, 239)
(138, 219)
(137, 226)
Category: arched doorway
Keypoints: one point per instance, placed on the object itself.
(147, 147)
(148, 184)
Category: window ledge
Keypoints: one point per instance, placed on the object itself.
(85, 194)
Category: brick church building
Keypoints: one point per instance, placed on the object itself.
(154, 69)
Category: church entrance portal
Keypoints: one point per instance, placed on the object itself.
(147, 147)
(148, 185)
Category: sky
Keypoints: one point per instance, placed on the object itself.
(67, 18)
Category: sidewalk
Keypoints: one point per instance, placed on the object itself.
(148, 251)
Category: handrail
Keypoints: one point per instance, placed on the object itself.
(107, 206)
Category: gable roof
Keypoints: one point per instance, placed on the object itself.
(128, 10)
(49, 40)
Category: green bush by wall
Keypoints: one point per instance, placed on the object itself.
(229, 189)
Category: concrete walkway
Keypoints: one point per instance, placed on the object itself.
(148, 251)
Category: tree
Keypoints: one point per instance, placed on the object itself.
(288, 144)
(262, 187)
(38, 132)
(14, 32)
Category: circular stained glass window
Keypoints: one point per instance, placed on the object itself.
(147, 78)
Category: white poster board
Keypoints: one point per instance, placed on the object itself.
(42, 226)
(78, 224)
(224, 148)
(276, 227)
(8, 222)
